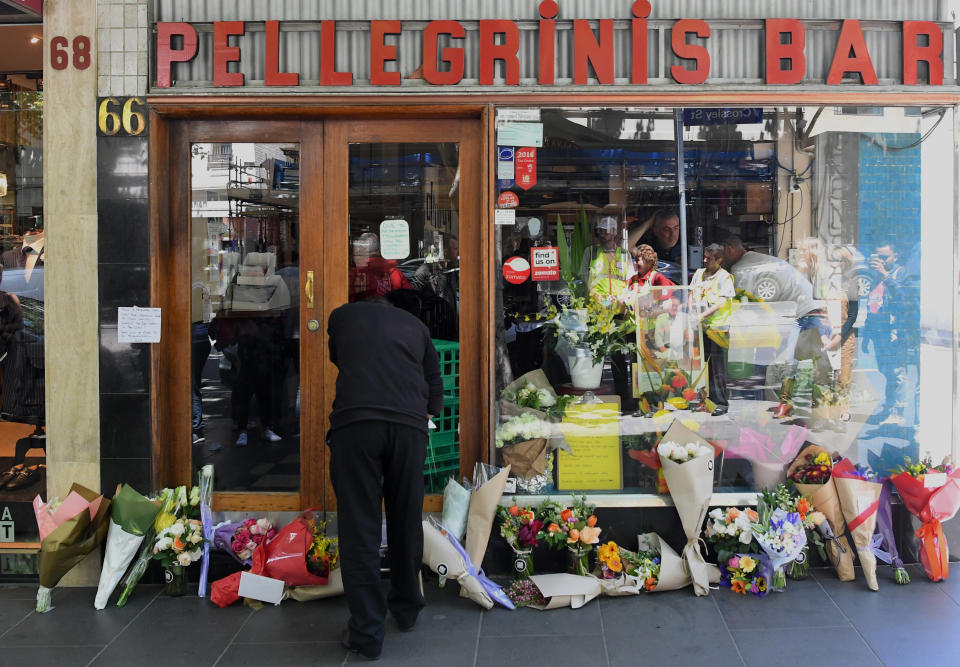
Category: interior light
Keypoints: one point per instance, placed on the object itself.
(34, 40)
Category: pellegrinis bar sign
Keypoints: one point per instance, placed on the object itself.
(783, 56)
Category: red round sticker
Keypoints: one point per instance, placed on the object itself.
(508, 200)
(516, 270)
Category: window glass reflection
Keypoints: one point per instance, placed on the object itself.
(245, 314)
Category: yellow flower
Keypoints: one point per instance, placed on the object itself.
(690, 424)
(747, 564)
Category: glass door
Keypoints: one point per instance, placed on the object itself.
(402, 217)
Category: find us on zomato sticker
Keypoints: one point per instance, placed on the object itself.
(516, 270)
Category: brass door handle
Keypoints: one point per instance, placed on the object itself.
(308, 289)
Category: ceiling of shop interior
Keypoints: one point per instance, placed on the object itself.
(17, 54)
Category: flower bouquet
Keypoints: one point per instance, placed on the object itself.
(523, 443)
(611, 570)
(130, 521)
(69, 530)
(239, 539)
(747, 574)
(811, 472)
(523, 531)
(790, 501)
(443, 553)
(860, 499)
(524, 593)
(533, 394)
(173, 503)
(323, 561)
(728, 531)
(687, 461)
(176, 547)
(572, 527)
(932, 494)
(781, 536)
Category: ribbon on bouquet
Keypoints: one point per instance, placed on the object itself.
(826, 532)
(882, 555)
(863, 516)
(935, 547)
(490, 587)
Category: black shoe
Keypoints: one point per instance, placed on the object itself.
(26, 477)
(345, 642)
(9, 475)
(407, 627)
(719, 411)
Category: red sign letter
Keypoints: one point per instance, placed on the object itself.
(166, 54)
(454, 56)
(380, 53)
(678, 40)
(272, 76)
(586, 50)
(913, 53)
(641, 10)
(329, 76)
(490, 51)
(548, 42)
(223, 54)
(777, 51)
(851, 39)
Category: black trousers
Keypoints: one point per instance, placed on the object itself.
(370, 462)
(716, 357)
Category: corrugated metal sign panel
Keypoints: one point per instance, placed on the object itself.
(520, 10)
(735, 47)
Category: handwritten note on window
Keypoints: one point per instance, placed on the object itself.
(138, 325)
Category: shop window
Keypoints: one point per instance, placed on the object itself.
(22, 386)
(245, 320)
(816, 305)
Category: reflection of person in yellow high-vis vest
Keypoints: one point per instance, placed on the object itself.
(606, 267)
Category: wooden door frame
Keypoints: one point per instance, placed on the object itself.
(171, 135)
(474, 325)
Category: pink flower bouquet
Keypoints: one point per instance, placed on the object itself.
(241, 539)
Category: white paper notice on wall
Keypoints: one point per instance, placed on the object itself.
(934, 480)
(394, 239)
(504, 216)
(138, 325)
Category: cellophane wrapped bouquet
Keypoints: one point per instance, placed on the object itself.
(180, 543)
(323, 555)
(746, 574)
(242, 538)
(782, 537)
(573, 527)
(729, 531)
(789, 500)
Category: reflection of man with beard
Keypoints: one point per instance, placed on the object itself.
(372, 275)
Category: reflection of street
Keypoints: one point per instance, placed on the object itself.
(261, 465)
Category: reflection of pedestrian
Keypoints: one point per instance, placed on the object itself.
(371, 274)
(260, 374)
(892, 333)
(388, 384)
(712, 289)
(606, 268)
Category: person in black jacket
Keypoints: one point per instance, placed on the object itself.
(389, 385)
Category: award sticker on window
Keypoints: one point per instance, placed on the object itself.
(394, 239)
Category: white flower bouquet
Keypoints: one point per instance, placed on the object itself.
(681, 453)
(180, 543)
(520, 429)
(524, 442)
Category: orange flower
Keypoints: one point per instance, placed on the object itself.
(514, 511)
(573, 535)
(737, 586)
(688, 394)
(591, 520)
(678, 382)
(589, 535)
(732, 514)
(803, 506)
(178, 544)
(752, 514)
(553, 528)
(566, 514)
(650, 583)
(615, 564)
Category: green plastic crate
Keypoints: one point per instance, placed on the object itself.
(443, 448)
(448, 421)
(449, 353)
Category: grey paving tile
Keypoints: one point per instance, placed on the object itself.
(421, 648)
(558, 650)
(784, 647)
(284, 654)
(656, 629)
(18, 592)
(802, 605)
(188, 621)
(48, 656)
(73, 621)
(950, 585)
(14, 611)
(500, 622)
(905, 625)
(292, 621)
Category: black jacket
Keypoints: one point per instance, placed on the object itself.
(389, 370)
